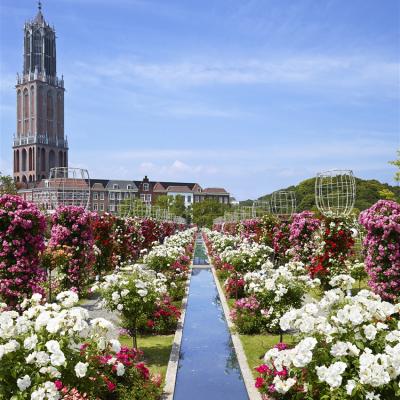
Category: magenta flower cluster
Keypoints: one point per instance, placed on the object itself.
(72, 228)
(22, 228)
(302, 228)
(382, 248)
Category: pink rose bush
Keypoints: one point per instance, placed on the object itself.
(22, 228)
(71, 226)
(302, 243)
(382, 248)
(53, 351)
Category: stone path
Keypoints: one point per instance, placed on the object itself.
(92, 305)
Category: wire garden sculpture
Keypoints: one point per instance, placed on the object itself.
(65, 186)
(137, 208)
(335, 192)
(283, 203)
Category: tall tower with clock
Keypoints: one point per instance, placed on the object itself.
(39, 142)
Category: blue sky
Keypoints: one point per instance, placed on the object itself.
(250, 95)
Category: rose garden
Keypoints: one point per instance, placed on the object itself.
(314, 300)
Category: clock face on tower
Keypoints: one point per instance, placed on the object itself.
(39, 142)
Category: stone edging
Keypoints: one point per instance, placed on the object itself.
(253, 393)
(172, 369)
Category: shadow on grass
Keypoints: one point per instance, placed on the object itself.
(157, 355)
(156, 350)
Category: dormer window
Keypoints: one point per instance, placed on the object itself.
(115, 186)
(129, 187)
(145, 187)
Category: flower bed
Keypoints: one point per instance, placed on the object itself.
(346, 347)
(54, 351)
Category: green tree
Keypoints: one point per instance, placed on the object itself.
(7, 185)
(396, 163)
(178, 206)
(164, 201)
(206, 211)
(387, 194)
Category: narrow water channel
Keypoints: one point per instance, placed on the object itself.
(208, 368)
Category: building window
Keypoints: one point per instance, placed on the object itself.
(127, 196)
(189, 199)
(129, 187)
(95, 207)
(145, 187)
(111, 207)
(101, 196)
(148, 198)
(112, 196)
(119, 196)
(101, 206)
(142, 197)
(115, 186)
(95, 196)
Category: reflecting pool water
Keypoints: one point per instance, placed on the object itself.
(200, 254)
(208, 367)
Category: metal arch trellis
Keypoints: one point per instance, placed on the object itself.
(283, 203)
(66, 186)
(335, 192)
(146, 210)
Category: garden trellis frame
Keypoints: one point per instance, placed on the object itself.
(283, 203)
(66, 186)
(335, 192)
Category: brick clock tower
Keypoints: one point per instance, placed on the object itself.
(39, 142)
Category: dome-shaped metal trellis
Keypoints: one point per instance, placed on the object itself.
(283, 203)
(335, 192)
(65, 187)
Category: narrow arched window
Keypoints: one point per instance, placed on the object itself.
(19, 112)
(26, 111)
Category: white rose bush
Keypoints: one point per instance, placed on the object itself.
(53, 351)
(347, 347)
(276, 290)
(173, 258)
(133, 295)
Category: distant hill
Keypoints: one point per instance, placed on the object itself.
(367, 193)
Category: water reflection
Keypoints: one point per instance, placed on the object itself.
(209, 369)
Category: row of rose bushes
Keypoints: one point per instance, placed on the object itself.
(53, 350)
(73, 244)
(148, 296)
(324, 244)
(343, 346)
(263, 292)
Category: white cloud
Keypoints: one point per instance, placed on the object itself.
(321, 70)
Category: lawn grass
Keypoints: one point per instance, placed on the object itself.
(156, 349)
(255, 346)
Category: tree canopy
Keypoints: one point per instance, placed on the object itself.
(368, 192)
